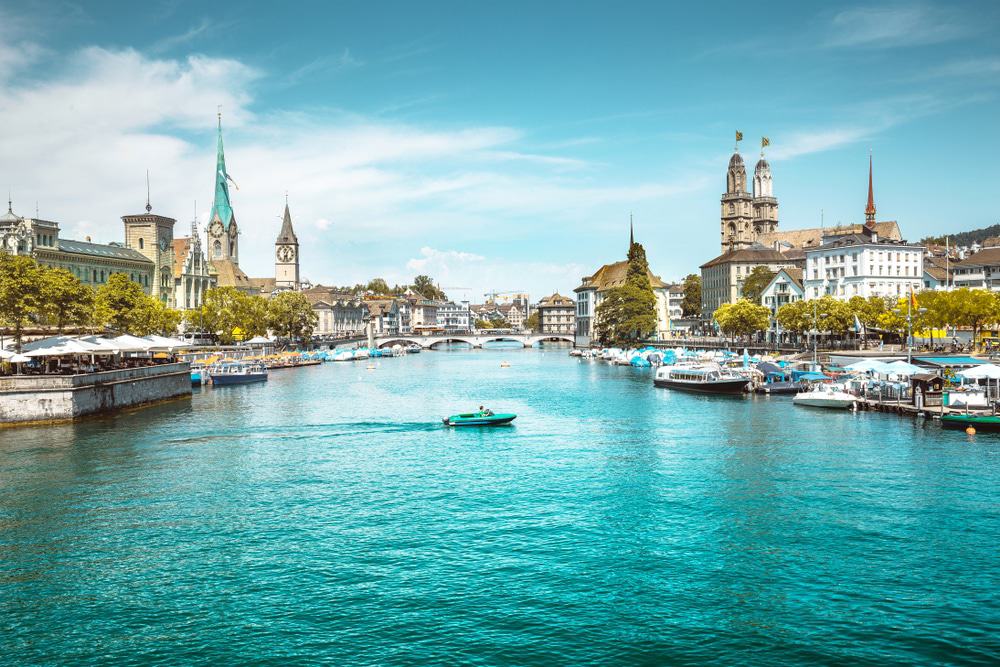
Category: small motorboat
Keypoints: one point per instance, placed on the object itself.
(825, 396)
(413, 348)
(978, 422)
(485, 418)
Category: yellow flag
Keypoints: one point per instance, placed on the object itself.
(739, 136)
(764, 141)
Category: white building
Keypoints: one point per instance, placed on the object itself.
(863, 265)
(978, 271)
(557, 315)
(338, 314)
(384, 315)
(785, 287)
(454, 317)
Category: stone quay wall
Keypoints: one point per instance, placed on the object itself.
(42, 398)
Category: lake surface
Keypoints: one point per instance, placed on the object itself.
(327, 516)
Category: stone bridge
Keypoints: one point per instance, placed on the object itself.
(429, 342)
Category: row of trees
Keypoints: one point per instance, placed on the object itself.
(421, 284)
(234, 315)
(34, 295)
(964, 307)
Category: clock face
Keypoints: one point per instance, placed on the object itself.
(232, 231)
(286, 253)
(215, 229)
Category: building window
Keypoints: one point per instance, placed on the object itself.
(140, 244)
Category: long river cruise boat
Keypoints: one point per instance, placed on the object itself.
(705, 379)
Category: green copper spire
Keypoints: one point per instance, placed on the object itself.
(222, 208)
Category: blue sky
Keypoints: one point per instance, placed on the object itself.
(497, 145)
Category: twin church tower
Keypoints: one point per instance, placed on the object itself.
(747, 217)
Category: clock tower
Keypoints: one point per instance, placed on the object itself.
(153, 236)
(286, 255)
(223, 233)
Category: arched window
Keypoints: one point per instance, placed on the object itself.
(217, 248)
(102, 275)
(140, 244)
(94, 279)
(732, 209)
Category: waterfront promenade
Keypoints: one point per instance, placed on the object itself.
(326, 516)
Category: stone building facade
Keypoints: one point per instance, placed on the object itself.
(557, 315)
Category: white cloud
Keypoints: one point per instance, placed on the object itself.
(441, 260)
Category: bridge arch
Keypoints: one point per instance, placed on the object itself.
(546, 338)
(397, 341)
(444, 340)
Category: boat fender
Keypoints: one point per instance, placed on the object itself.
(970, 430)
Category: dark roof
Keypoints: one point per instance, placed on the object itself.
(101, 250)
(556, 300)
(613, 275)
(987, 256)
(863, 239)
(287, 234)
(758, 254)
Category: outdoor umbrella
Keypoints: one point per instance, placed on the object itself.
(6, 354)
(903, 368)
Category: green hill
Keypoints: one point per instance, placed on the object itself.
(965, 238)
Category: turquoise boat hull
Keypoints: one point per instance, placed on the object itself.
(979, 422)
(474, 419)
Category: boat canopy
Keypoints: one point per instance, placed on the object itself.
(983, 371)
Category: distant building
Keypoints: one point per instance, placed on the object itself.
(338, 314)
(863, 264)
(190, 272)
(384, 315)
(454, 317)
(675, 303)
(722, 278)
(591, 291)
(980, 270)
(785, 287)
(423, 314)
(515, 313)
(557, 315)
(745, 216)
(286, 255)
(91, 263)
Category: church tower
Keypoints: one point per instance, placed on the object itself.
(286, 255)
(737, 218)
(870, 208)
(153, 236)
(223, 233)
(765, 206)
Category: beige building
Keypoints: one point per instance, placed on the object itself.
(153, 236)
(722, 278)
(91, 263)
(338, 314)
(747, 216)
(557, 315)
(286, 255)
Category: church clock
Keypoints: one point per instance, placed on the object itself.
(216, 229)
(286, 253)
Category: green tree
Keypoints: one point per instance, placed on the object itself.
(425, 286)
(755, 282)
(531, 324)
(155, 317)
(230, 313)
(796, 317)
(67, 301)
(742, 318)
(290, 315)
(21, 292)
(974, 308)
(377, 286)
(691, 305)
(119, 304)
(628, 312)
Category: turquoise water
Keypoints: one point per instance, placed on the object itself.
(328, 517)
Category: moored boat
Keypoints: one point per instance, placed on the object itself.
(978, 422)
(237, 373)
(413, 348)
(825, 396)
(705, 379)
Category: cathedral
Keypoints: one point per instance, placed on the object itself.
(747, 217)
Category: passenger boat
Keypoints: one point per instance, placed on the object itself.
(825, 396)
(978, 422)
(479, 419)
(705, 379)
(237, 373)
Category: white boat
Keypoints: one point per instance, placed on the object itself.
(361, 353)
(343, 355)
(826, 396)
(702, 378)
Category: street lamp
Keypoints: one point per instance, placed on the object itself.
(909, 327)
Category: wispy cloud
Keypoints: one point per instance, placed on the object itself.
(330, 64)
(186, 37)
(972, 67)
(896, 25)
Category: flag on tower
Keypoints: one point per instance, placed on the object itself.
(764, 141)
(739, 136)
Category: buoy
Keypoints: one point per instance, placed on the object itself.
(970, 430)
(504, 364)
(371, 367)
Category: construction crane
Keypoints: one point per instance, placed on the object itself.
(491, 297)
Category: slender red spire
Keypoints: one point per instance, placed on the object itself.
(870, 209)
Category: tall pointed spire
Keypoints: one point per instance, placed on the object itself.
(870, 209)
(221, 207)
(287, 234)
(149, 207)
(631, 232)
